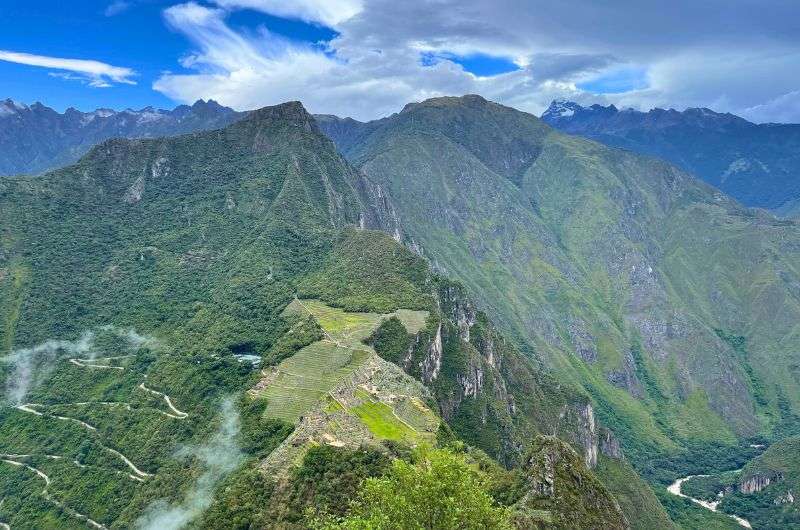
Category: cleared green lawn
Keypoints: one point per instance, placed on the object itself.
(382, 422)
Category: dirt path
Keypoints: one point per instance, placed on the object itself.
(675, 489)
(29, 408)
(46, 494)
(178, 414)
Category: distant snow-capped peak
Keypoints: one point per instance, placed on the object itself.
(561, 109)
(9, 107)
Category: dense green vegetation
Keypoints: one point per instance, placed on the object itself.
(666, 302)
(198, 241)
(324, 484)
(198, 320)
(438, 489)
(770, 508)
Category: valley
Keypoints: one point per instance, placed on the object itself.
(594, 332)
(675, 489)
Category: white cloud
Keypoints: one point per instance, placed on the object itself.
(372, 68)
(783, 109)
(116, 7)
(326, 12)
(96, 73)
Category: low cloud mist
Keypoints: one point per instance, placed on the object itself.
(27, 367)
(219, 456)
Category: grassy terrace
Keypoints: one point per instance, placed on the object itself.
(305, 378)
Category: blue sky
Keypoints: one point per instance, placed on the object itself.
(367, 58)
(133, 35)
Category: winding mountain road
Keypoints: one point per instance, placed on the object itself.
(180, 415)
(136, 473)
(46, 494)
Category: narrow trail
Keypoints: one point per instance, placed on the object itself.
(178, 413)
(92, 363)
(46, 494)
(675, 489)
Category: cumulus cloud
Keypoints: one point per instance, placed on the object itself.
(783, 109)
(96, 73)
(685, 53)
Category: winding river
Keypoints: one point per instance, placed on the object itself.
(675, 489)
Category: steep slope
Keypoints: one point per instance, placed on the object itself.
(36, 138)
(766, 491)
(182, 313)
(756, 164)
(672, 305)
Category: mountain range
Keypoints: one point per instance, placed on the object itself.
(757, 164)
(36, 138)
(314, 296)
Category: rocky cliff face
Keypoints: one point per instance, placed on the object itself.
(758, 482)
(553, 474)
(494, 397)
(600, 265)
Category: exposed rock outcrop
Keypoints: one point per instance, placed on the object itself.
(758, 482)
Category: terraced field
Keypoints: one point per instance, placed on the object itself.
(305, 378)
(301, 381)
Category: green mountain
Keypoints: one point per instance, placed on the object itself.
(670, 304)
(215, 330)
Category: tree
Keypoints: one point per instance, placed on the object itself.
(438, 490)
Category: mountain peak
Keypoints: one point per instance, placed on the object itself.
(9, 107)
(561, 109)
(467, 100)
(291, 111)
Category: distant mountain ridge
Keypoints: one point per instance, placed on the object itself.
(757, 164)
(35, 138)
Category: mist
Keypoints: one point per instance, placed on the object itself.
(30, 366)
(219, 456)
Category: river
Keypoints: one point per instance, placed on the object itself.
(675, 489)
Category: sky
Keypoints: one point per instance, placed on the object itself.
(368, 58)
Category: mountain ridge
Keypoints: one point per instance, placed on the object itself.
(35, 138)
(754, 163)
(602, 181)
